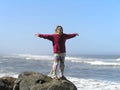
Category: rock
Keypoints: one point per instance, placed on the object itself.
(38, 81)
(7, 83)
(35, 81)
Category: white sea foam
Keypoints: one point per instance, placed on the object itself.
(95, 61)
(31, 56)
(99, 63)
(104, 63)
(36, 57)
(118, 59)
(91, 84)
(8, 74)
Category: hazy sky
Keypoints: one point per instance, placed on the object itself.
(96, 21)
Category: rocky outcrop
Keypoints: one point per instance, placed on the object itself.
(37, 81)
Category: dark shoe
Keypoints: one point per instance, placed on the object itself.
(63, 78)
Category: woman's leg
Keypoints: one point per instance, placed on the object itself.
(62, 65)
(55, 65)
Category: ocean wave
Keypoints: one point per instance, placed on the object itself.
(9, 75)
(91, 84)
(37, 57)
(91, 61)
(102, 63)
(97, 61)
(118, 59)
(30, 57)
(43, 57)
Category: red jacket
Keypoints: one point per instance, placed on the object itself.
(58, 41)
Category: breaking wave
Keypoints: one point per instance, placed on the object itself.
(91, 61)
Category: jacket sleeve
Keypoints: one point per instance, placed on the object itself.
(46, 36)
(68, 36)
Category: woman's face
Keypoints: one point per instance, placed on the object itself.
(59, 30)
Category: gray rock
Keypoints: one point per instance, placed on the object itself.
(35, 81)
(38, 81)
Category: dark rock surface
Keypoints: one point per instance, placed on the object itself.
(35, 81)
(7, 83)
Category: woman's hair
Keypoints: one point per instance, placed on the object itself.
(58, 27)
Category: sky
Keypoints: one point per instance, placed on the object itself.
(96, 21)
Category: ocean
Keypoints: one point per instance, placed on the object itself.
(87, 72)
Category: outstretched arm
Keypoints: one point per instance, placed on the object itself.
(68, 36)
(45, 36)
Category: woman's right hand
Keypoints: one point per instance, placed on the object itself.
(37, 34)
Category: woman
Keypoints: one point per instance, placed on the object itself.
(58, 40)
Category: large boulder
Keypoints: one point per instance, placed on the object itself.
(38, 81)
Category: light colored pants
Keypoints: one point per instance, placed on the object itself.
(59, 59)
